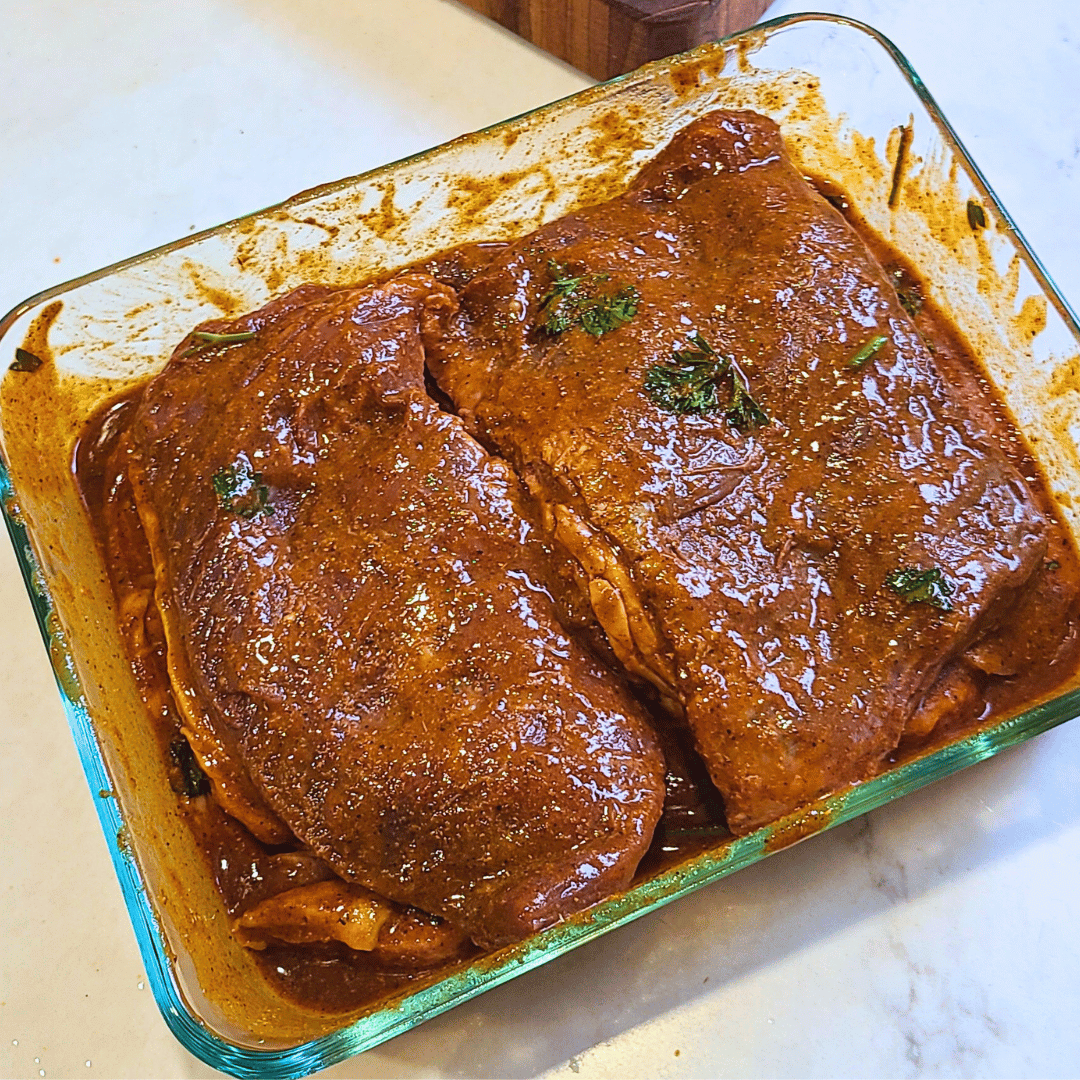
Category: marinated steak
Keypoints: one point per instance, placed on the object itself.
(361, 627)
(760, 473)
(786, 513)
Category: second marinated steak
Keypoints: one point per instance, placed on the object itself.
(806, 568)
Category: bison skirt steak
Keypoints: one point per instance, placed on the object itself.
(360, 630)
(787, 514)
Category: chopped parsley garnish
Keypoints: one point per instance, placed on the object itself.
(692, 383)
(241, 491)
(25, 361)
(743, 412)
(871, 348)
(204, 339)
(922, 586)
(976, 215)
(193, 781)
(606, 313)
(579, 301)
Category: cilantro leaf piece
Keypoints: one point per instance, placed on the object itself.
(605, 313)
(910, 300)
(922, 586)
(743, 412)
(871, 348)
(25, 361)
(241, 491)
(193, 781)
(579, 301)
(204, 339)
(691, 384)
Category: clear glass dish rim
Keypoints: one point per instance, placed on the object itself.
(412, 1010)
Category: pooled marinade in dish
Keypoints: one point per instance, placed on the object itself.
(449, 577)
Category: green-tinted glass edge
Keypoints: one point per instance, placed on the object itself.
(414, 1009)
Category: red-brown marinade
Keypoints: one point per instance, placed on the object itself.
(738, 561)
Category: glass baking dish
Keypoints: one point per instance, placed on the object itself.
(847, 102)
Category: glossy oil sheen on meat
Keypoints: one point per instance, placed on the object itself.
(360, 627)
(321, 633)
(744, 570)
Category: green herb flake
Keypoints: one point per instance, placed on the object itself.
(976, 215)
(743, 412)
(25, 361)
(556, 309)
(691, 384)
(1052, 564)
(683, 387)
(241, 491)
(907, 131)
(908, 291)
(205, 339)
(911, 299)
(579, 301)
(922, 586)
(608, 312)
(193, 781)
(871, 348)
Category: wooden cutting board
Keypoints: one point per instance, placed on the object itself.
(607, 37)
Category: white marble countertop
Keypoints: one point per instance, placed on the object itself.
(940, 936)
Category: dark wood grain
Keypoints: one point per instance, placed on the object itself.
(608, 37)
